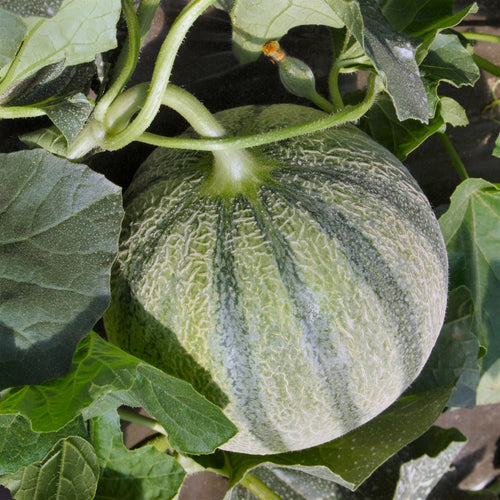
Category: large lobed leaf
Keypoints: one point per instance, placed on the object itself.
(145, 473)
(60, 226)
(471, 228)
(101, 378)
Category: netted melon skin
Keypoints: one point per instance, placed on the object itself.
(303, 308)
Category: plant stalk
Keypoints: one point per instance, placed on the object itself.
(346, 115)
(126, 64)
(480, 37)
(161, 74)
(132, 416)
(486, 65)
(454, 156)
(258, 488)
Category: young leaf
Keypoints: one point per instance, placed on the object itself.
(20, 446)
(28, 8)
(70, 470)
(100, 369)
(60, 225)
(472, 235)
(144, 473)
(351, 459)
(79, 30)
(454, 359)
(12, 31)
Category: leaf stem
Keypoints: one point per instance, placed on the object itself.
(346, 115)
(161, 74)
(333, 85)
(126, 64)
(20, 112)
(480, 37)
(455, 158)
(486, 65)
(132, 416)
(258, 488)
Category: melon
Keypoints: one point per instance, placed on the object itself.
(299, 285)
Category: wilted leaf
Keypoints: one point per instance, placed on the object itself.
(60, 225)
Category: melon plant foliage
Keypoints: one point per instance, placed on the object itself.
(279, 297)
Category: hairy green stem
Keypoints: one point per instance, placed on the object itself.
(132, 416)
(322, 103)
(127, 61)
(333, 85)
(455, 158)
(180, 100)
(346, 115)
(258, 488)
(486, 65)
(480, 37)
(161, 74)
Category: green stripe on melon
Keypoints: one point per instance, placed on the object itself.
(303, 302)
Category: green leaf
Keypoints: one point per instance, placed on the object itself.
(454, 359)
(402, 137)
(471, 228)
(410, 474)
(255, 22)
(49, 85)
(144, 473)
(28, 8)
(351, 459)
(50, 139)
(79, 30)
(393, 55)
(12, 31)
(447, 60)
(70, 115)
(20, 446)
(99, 369)
(496, 150)
(69, 471)
(423, 19)
(60, 226)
